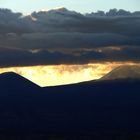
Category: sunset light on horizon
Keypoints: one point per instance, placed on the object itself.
(64, 74)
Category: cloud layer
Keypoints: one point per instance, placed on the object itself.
(61, 36)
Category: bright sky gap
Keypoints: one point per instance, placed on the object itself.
(82, 6)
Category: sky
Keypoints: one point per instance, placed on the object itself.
(65, 45)
(83, 6)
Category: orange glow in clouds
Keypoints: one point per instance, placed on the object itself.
(63, 74)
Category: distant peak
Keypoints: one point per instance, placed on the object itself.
(60, 9)
(123, 72)
(63, 9)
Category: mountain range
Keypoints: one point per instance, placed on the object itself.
(100, 109)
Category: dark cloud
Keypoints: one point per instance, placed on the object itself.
(66, 37)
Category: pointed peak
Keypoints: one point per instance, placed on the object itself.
(11, 74)
(14, 79)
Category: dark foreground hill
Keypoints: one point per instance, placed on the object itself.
(108, 109)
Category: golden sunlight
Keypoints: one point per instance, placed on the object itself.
(64, 74)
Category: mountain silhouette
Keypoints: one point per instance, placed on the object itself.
(103, 109)
(11, 80)
(123, 72)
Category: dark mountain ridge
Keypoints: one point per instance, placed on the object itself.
(13, 81)
(103, 109)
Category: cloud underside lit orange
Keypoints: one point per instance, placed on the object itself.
(64, 74)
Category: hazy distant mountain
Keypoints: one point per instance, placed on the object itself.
(123, 72)
(60, 15)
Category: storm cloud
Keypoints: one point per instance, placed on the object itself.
(61, 36)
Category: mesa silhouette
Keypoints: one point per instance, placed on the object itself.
(98, 109)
